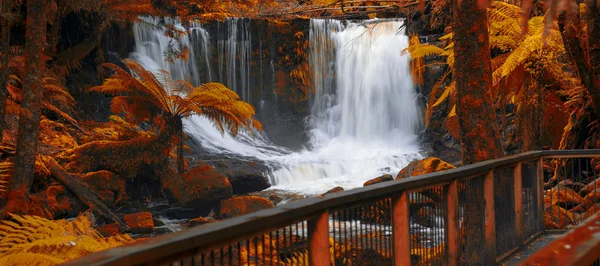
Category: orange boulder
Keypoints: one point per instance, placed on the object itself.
(424, 166)
(201, 188)
(241, 205)
(383, 178)
(109, 186)
(140, 223)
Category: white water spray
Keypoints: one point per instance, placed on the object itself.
(365, 115)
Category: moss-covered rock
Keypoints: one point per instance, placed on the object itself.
(241, 205)
(379, 179)
(140, 223)
(200, 188)
(424, 166)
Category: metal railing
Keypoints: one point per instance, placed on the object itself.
(472, 215)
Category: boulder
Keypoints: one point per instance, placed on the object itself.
(241, 205)
(424, 166)
(383, 178)
(200, 188)
(200, 221)
(62, 203)
(140, 223)
(245, 176)
(275, 199)
(333, 190)
(109, 230)
(109, 186)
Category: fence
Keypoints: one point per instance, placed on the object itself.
(473, 215)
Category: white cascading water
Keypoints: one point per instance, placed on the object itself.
(365, 115)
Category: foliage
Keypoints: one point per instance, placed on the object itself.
(142, 95)
(538, 54)
(56, 97)
(33, 240)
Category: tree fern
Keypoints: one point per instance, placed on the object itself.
(142, 96)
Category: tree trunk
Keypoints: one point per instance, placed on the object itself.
(180, 158)
(5, 23)
(586, 62)
(593, 23)
(479, 137)
(478, 127)
(29, 119)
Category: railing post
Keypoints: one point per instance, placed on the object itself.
(490, 219)
(540, 192)
(518, 191)
(452, 230)
(318, 240)
(400, 229)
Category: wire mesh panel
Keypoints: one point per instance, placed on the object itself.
(286, 246)
(362, 234)
(427, 222)
(571, 193)
(472, 221)
(506, 238)
(531, 220)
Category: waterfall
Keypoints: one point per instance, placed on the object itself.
(365, 116)
(364, 113)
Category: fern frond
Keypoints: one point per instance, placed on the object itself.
(423, 50)
(451, 123)
(450, 90)
(6, 169)
(31, 238)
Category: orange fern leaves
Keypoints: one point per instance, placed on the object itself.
(143, 95)
(32, 240)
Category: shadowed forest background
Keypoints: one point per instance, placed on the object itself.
(98, 141)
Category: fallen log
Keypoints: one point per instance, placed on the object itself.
(83, 192)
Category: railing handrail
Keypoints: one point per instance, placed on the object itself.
(215, 235)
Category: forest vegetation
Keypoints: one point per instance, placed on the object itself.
(529, 65)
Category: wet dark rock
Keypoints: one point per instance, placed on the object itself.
(275, 199)
(245, 175)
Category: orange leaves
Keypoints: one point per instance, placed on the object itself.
(143, 95)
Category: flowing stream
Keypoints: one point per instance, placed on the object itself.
(364, 117)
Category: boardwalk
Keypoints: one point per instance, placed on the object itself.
(480, 214)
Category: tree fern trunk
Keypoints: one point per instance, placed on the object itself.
(479, 137)
(180, 159)
(4, 50)
(29, 119)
